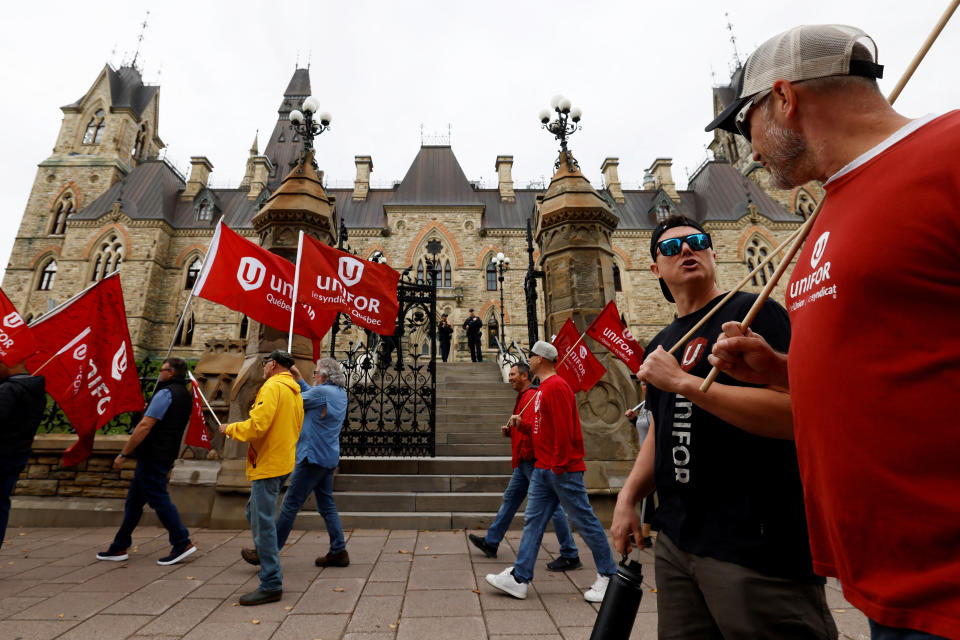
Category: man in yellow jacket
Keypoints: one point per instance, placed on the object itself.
(271, 432)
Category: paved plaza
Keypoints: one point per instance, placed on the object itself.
(403, 585)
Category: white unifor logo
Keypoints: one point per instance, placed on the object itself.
(119, 363)
(311, 312)
(12, 320)
(583, 352)
(251, 273)
(818, 249)
(627, 335)
(350, 271)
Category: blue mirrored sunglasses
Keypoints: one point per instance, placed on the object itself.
(696, 241)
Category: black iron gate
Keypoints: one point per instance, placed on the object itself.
(391, 383)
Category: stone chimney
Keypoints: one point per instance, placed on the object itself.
(504, 167)
(200, 169)
(663, 177)
(361, 186)
(260, 167)
(611, 178)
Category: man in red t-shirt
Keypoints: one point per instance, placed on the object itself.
(874, 298)
(521, 438)
(557, 479)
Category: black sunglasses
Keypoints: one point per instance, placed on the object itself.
(673, 246)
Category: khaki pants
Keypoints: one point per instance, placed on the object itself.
(703, 598)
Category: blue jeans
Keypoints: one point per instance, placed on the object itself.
(261, 514)
(149, 486)
(309, 477)
(547, 490)
(514, 494)
(883, 632)
(10, 469)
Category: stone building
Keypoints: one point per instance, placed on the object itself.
(105, 200)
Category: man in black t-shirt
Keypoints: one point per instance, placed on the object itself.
(155, 442)
(732, 555)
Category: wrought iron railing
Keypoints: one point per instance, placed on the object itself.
(54, 420)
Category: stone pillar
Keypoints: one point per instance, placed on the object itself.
(361, 185)
(298, 203)
(574, 229)
(200, 169)
(504, 167)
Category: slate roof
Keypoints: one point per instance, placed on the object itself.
(721, 194)
(435, 178)
(126, 90)
(284, 154)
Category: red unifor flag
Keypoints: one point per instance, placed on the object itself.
(576, 364)
(197, 429)
(84, 352)
(246, 277)
(16, 340)
(333, 280)
(609, 330)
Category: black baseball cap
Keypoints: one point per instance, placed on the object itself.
(282, 358)
(670, 223)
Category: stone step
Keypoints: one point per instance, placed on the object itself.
(311, 520)
(419, 502)
(500, 449)
(470, 420)
(491, 436)
(487, 425)
(427, 483)
(468, 386)
(441, 465)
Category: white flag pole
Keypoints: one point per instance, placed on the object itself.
(202, 397)
(296, 286)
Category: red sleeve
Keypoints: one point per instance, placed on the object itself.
(526, 418)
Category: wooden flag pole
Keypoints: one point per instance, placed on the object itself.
(805, 229)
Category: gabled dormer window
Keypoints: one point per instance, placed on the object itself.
(94, 131)
(205, 211)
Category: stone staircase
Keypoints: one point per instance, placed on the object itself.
(460, 488)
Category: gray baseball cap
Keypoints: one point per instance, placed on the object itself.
(544, 349)
(802, 53)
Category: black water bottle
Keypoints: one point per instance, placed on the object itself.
(620, 603)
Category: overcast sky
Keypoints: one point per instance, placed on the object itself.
(641, 72)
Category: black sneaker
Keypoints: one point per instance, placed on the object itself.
(648, 543)
(564, 564)
(113, 554)
(177, 554)
(481, 543)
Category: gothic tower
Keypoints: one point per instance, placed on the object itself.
(104, 135)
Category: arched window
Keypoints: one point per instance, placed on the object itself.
(94, 131)
(244, 327)
(617, 282)
(493, 330)
(185, 337)
(62, 209)
(805, 205)
(420, 272)
(47, 276)
(447, 280)
(140, 145)
(192, 272)
(663, 212)
(491, 276)
(109, 257)
(754, 254)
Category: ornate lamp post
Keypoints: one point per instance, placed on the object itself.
(308, 128)
(565, 125)
(434, 247)
(502, 263)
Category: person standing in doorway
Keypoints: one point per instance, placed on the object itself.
(444, 335)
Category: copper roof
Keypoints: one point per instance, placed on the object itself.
(435, 178)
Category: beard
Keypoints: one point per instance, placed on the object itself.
(788, 160)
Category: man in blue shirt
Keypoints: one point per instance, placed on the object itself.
(155, 442)
(318, 454)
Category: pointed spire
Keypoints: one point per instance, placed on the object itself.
(254, 149)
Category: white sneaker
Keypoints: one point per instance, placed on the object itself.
(507, 583)
(598, 590)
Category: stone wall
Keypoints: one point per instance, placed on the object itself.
(92, 478)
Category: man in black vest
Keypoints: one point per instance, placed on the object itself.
(473, 325)
(155, 442)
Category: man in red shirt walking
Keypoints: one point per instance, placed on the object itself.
(521, 437)
(874, 363)
(557, 479)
